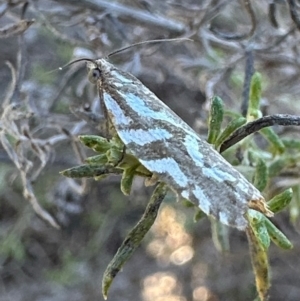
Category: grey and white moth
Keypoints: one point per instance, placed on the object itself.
(172, 150)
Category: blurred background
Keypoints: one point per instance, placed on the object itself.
(62, 256)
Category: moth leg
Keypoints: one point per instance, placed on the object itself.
(109, 129)
(134, 238)
(103, 127)
(100, 122)
(150, 181)
(87, 115)
(107, 123)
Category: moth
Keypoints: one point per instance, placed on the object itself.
(172, 150)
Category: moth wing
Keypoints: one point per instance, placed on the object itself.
(168, 147)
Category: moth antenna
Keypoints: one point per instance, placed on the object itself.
(71, 63)
(75, 61)
(148, 42)
(123, 49)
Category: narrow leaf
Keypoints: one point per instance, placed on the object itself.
(273, 139)
(280, 201)
(134, 238)
(127, 179)
(261, 175)
(230, 128)
(97, 143)
(215, 119)
(90, 171)
(277, 236)
(260, 265)
(254, 98)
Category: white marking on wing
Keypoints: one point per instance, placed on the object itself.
(240, 222)
(142, 137)
(223, 217)
(192, 147)
(215, 173)
(247, 188)
(142, 109)
(123, 80)
(112, 105)
(204, 202)
(185, 194)
(169, 166)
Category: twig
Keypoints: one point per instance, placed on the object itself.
(277, 42)
(132, 13)
(213, 11)
(293, 12)
(53, 30)
(272, 14)
(30, 196)
(258, 124)
(21, 66)
(10, 91)
(15, 29)
(239, 37)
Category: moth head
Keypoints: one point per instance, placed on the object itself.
(94, 73)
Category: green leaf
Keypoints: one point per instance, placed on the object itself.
(254, 98)
(259, 259)
(261, 175)
(97, 143)
(283, 162)
(215, 119)
(278, 238)
(230, 128)
(98, 159)
(257, 223)
(90, 171)
(134, 238)
(291, 143)
(127, 179)
(273, 139)
(280, 201)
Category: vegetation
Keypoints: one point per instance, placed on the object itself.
(59, 234)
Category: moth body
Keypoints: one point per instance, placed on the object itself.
(172, 150)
